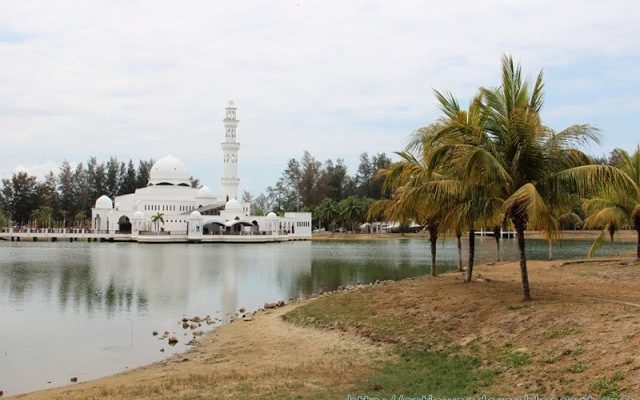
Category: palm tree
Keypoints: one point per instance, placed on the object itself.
(534, 167)
(476, 202)
(612, 208)
(352, 211)
(157, 219)
(327, 211)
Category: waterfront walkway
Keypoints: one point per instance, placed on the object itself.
(82, 235)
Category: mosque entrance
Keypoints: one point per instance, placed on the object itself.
(124, 225)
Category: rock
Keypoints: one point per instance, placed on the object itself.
(172, 340)
(340, 288)
(192, 342)
(155, 333)
(185, 325)
(185, 319)
(196, 319)
(268, 306)
(74, 379)
(280, 303)
(1, 393)
(198, 333)
(241, 310)
(193, 325)
(162, 350)
(166, 332)
(247, 319)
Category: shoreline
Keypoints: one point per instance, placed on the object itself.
(266, 357)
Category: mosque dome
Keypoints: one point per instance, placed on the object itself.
(272, 215)
(104, 202)
(169, 171)
(233, 205)
(195, 214)
(205, 192)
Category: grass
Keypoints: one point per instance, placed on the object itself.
(608, 387)
(516, 359)
(417, 369)
(560, 332)
(577, 368)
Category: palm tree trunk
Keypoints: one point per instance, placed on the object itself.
(433, 238)
(496, 235)
(550, 249)
(638, 246)
(523, 262)
(459, 239)
(472, 254)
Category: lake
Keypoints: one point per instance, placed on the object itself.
(88, 310)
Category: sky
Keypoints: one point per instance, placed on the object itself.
(143, 79)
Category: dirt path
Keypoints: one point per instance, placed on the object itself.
(263, 358)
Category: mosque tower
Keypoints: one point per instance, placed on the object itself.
(230, 149)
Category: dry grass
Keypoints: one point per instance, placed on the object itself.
(580, 336)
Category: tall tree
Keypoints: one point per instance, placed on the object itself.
(20, 194)
(534, 166)
(612, 208)
(129, 179)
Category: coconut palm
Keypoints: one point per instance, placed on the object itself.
(157, 219)
(613, 208)
(476, 202)
(327, 211)
(534, 167)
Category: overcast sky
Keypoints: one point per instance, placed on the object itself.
(143, 79)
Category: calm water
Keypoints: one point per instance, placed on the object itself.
(88, 309)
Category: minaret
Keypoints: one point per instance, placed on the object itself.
(230, 149)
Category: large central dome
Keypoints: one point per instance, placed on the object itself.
(169, 171)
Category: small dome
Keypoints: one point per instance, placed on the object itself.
(169, 171)
(233, 205)
(272, 215)
(138, 215)
(204, 192)
(104, 202)
(195, 214)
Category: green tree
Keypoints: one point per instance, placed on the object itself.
(43, 215)
(20, 194)
(352, 211)
(157, 219)
(612, 208)
(327, 212)
(129, 180)
(535, 167)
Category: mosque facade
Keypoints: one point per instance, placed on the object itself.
(169, 207)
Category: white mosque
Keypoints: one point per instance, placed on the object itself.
(192, 214)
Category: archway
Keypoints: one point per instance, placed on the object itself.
(213, 228)
(124, 224)
(97, 223)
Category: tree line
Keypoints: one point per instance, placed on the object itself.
(495, 164)
(65, 198)
(336, 198)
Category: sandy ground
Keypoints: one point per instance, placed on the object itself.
(582, 330)
(263, 358)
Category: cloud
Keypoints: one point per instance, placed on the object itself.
(141, 79)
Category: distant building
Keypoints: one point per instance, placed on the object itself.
(193, 212)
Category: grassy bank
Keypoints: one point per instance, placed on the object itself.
(580, 337)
